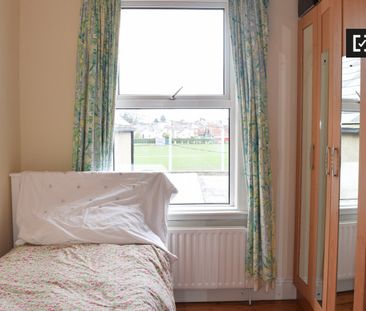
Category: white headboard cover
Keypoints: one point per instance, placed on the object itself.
(153, 192)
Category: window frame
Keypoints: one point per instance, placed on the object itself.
(225, 101)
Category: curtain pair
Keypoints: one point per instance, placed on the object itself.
(95, 107)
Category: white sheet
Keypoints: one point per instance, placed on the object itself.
(79, 207)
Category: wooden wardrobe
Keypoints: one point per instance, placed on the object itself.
(330, 232)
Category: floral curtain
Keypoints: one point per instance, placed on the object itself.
(96, 80)
(249, 37)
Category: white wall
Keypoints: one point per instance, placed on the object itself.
(9, 113)
(282, 104)
(48, 41)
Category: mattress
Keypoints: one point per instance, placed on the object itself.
(86, 277)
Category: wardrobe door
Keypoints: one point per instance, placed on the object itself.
(305, 152)
(348, 172)
(346, 167)
(322, 194)
(323, 173)
(360, 273)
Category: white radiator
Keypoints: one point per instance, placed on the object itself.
(347, 250)
(208, 258)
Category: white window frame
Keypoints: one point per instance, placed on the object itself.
(225, 101)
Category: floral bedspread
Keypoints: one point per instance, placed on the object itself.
(86, 277)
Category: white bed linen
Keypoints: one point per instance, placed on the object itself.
(79, 207)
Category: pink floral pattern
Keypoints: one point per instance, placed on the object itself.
(86, 277)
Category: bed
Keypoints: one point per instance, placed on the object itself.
(88, 241)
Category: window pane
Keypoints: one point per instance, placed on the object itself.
(191, 145)
(350, 159)
(351, 80)
(163, 49)
(350, 130)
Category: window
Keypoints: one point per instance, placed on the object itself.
(175, 110)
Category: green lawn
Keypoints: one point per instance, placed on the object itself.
(186, 157)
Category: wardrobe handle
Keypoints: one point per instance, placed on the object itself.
(327, 162)
(335, 161)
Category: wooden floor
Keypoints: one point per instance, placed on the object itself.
(344, 303)
(240, 306)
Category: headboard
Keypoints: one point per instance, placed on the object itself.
(149, 185)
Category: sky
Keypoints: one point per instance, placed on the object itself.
(161, 50)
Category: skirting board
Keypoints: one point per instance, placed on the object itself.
(345, 285)
(284, 290)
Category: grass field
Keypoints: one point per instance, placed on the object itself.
(185, 157)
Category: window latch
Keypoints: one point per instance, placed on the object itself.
(176, 93)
